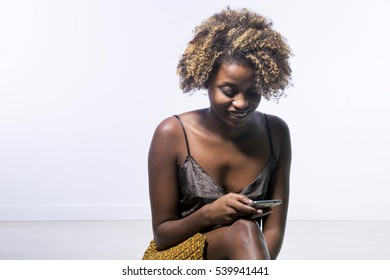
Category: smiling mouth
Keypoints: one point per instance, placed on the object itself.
(239, 114)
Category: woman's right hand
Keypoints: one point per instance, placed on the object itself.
(229, 208)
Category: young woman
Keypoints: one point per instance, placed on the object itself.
(207, 166)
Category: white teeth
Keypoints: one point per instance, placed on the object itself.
(238, 115)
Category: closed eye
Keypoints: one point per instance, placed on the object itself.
(227, 91)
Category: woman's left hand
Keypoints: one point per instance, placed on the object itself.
(262, 212)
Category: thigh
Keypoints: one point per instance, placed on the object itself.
(241, 240)
(216, 243)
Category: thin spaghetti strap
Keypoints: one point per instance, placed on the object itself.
(269, 134)
(185, 134)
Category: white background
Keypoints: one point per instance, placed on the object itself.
(83, 85)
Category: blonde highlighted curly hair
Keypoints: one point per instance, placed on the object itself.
(239, 36)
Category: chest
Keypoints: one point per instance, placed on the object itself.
(232, 165)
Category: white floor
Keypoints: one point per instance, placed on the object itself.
(121, 240)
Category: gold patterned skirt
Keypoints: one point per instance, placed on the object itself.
(192, 248)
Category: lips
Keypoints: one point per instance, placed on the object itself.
(241, 114)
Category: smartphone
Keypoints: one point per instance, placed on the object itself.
(259, 204)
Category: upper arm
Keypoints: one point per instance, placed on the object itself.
(163, 172)
(280, 180)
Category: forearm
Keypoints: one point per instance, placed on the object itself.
(172, 232)
(274, 240)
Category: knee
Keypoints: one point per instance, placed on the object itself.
(248, 241)
(244, 231)
(241, 240)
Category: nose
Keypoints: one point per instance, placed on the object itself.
(240, 102)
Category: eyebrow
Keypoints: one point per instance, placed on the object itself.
(230, 84)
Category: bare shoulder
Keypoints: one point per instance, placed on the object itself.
(167, 127)
(168, 138)
(193, 117)
(171, 127)
(277, 125)
(280, 134)
(167, 133)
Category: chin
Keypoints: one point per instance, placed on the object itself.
(232, 121)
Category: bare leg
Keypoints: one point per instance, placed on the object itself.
(242, 240)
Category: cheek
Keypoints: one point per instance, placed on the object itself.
(218, 99)
(256, 101)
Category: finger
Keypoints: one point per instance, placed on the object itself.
(257, 215)
(238, 206)
(242, 198)
(267, 211)
(262, 212)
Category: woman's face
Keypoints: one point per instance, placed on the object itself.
(233, 95)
